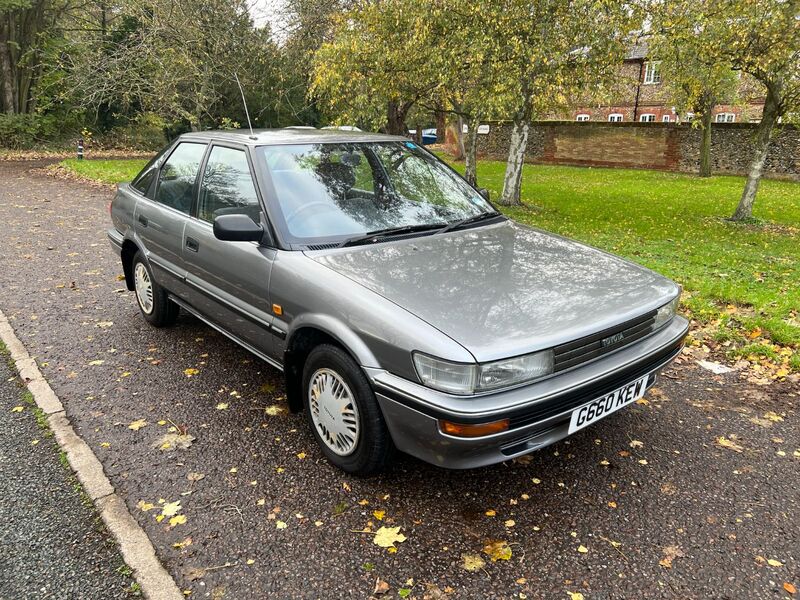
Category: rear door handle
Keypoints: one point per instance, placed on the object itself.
(192, 244)
(143, 220)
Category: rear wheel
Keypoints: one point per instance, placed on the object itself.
(343, 412)
(157, 309)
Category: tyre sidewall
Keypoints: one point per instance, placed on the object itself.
(374, 443)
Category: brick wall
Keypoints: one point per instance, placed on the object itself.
(660, 146)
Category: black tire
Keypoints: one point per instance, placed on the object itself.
(374, 447)
(164, 312)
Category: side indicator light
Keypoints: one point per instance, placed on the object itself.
(277, 309)
(473, 430)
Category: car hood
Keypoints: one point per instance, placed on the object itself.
(505, 289)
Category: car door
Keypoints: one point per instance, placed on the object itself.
(229, 281)
(160, 221)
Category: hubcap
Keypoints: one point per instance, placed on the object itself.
(144, 288)
(333, 411)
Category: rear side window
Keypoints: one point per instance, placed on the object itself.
(144, 180)
(227, 187)
(177, 176)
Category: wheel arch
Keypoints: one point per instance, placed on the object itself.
(129, 250)
(303, 339)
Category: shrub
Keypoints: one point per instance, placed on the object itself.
(22, 132)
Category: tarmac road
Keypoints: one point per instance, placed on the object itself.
(663, 510)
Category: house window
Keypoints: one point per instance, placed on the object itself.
(665, 119)
(582, 117)
(689, 117)
(725, 118)
(652, 72)
(647, 118)
(615, 118)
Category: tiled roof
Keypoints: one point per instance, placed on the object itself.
(638, 51)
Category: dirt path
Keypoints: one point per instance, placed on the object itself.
(663, 509)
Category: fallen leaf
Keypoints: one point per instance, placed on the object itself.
(222, 406)
(774, 563)
(472, 562)
(774, 417)
(96, 363)
(177, 520)
(386, 537)
(183, 544)
(731, 445)
(192, 476)
(612, 504)
(497, 550)
(171, 508)
(583, 549)
(190, 372)
(575, 595)
(490, 513)
(404, 592)
(18, 409)
(670, 554)
(510, 523)
(379, 514)
(636, 444)
(280, 525)
(174, 441)
(381, 587)
(137, 424)
(145, 506)
(790, 588)
(301, 455)
(273, 410)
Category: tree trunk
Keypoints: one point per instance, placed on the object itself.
(516, 159)
(441, 126)
(705, 143)
(769, 117)
(396, 118)
(461, 151)
(471, 151)
(7, 68)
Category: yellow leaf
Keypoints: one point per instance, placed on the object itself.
(273, 410)
(583, 549)
(222, 406)
(190, 372)
(177, 520)
(301, 455)
(145, 506)
(171, 508)
(510, 523)
(731, 445)
(250, 561)
(774, 563)
(472, 562)
(612, 504)
(183, 544)
(491, 513)
(575, 595)
(18, 409)
(95, 363)
(497, 550)
(386, 537)
(379, 514)
(280, 525)
(137, 424)
(773, 416)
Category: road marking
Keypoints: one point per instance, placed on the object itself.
(134, 545)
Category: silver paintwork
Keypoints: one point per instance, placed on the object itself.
(480, 294)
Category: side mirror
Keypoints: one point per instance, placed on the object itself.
(237, 228)
(484, 192)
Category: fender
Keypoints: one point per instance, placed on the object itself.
(337, 330)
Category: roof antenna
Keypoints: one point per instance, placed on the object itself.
(246, 112)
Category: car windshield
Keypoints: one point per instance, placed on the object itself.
(331, 192)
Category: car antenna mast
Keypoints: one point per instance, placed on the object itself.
(246, 112)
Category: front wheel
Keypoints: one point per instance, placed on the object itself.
(156, 307)
(343, 412)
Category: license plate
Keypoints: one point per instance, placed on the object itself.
(593, 411)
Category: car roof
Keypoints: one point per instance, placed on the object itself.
(289, 135)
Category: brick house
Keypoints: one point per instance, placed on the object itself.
(641, 95)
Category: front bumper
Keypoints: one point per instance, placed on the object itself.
(539, 413)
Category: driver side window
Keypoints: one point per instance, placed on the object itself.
(227, 187)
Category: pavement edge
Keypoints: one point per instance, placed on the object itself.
(135, 547)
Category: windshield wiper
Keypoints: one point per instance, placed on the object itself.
(378, 234)
(469, 220)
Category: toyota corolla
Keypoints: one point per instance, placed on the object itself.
(405, 311)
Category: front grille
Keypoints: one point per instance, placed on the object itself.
(591, 347)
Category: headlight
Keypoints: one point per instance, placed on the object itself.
(666, 312)
(461, 378)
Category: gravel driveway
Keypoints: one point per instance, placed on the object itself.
(647, 504)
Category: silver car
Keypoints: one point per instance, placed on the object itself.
(404, 310)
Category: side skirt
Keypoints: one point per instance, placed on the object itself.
(188, 308)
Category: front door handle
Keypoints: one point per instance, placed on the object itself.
(143, 220)
(192, 244)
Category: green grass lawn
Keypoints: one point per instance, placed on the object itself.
(741, 282)
(105, 170)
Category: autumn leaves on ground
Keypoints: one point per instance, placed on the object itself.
(690, 493)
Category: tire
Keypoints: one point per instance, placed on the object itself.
(329, 371)
(156, 308)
